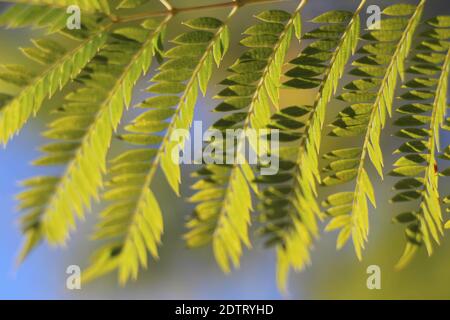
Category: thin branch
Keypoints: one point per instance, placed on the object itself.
(173, 11)
(166, 4)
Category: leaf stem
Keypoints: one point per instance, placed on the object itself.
(170, 10)
(166, 4)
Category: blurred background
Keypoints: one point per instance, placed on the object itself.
(193, 274)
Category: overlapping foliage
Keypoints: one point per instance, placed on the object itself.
(98, 67)
(134, 220)
(84, 129)
(223, 215)
(288, 205)
(380, 63)
(422, 117)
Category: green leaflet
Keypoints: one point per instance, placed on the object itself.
(301, 209)
(85, 128)
(60, 68)
(440, 22)
(133, 221)
(424, 226)
(371, 103)
(204, 23)
(333, 17)
(224, 220)
(400, 10)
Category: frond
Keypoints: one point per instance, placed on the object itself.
(223, 215)
(371, 99)
(283, 224)
(421, 119)
(288, 206)
(84, 129)
(59, 67)
(24, 15)
(133, 221)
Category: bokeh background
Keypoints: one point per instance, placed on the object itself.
(193, 274)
